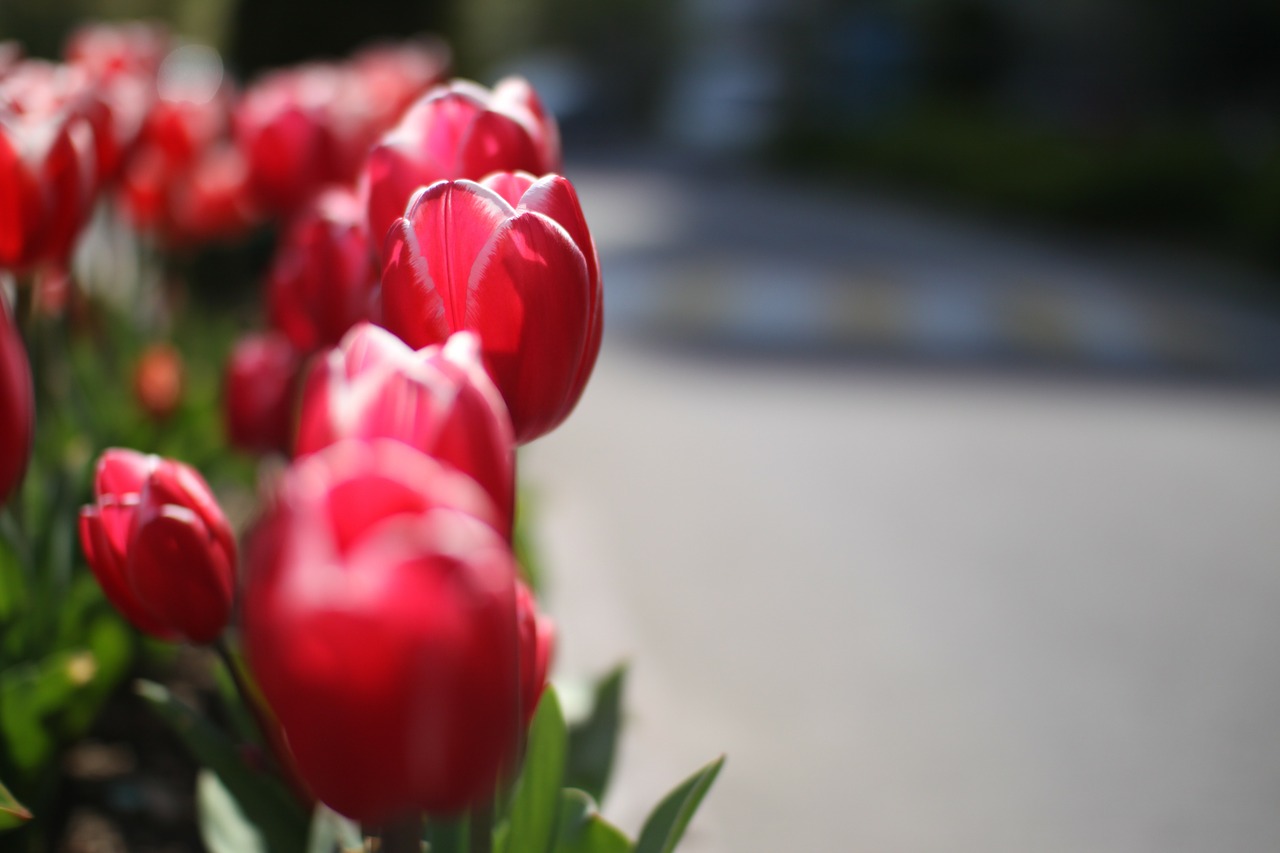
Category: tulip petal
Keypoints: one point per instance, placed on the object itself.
(528, 300)
(430, 255)
(122, 471)
(100, 537)
(178, 574)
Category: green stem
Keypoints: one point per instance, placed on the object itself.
(403, 836)
(482, 828)
(247, 697)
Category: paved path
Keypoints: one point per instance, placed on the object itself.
(927, 613)
(922, 610)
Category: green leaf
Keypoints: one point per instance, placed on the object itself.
(583, 830)
(445, 835)
(12, 812)
(282, 822)
(331, 831)
(112, 647)
(537, 794)
(13, 588)
(30, 695)
(666, 823)
(594, 742)
(223, 825)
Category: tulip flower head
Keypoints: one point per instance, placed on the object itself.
(509, 258)
(459, 130)
(322, 280)
(258, 392)
(17, 405)
(379, 621)
(438, 400)
(160, 546)
(537, 644)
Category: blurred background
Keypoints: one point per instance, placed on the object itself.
(931, 468)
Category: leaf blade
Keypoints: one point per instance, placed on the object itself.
(667, 822)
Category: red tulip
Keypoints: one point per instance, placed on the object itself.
(437, 400)
(210, 200)
(322, 280)
(391, 76)
(259, 391)
(47, 162)
(461, 130)
(107, 50)
(122, 59)
(379, 620)
(160, 546)
(525, 279)
(282, 126)
(17, 405)
(537, 643)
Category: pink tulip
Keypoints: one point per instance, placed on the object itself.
(322, 280)
(461, 130)
(259, 391)
(379, 620)
(438, 400)
(509, 258)
(537, 643)
(160, 547)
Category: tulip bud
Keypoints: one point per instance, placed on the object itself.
(511, 259)
(322, 280)
(17, 405)
(537, 643)
(157, 381)
(160, 547)
(461, 130)
(380, 623)
(258, 393)
(282, 126)
(438, 400)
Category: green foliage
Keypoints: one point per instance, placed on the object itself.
(12, 813)
(594, 742)
(583, 830)
(534, 806)
(264, 801)
(666, 824)
(223, 825)
(546, 816)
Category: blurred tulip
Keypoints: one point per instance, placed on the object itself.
(524, 278)
(537, 644)
(17, 405)
(461, 130)
(258, 393)
(185, 182)
(392, 75)
(379, 620)
(47, 162)
(211, 200)
(438, 400)
(157, 381)
(10, 55)
(160, 547)
(322, 280)
(122, 60)
(283, 128)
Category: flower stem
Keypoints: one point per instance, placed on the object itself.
(403, 836)
(481, 835)
(248, 698)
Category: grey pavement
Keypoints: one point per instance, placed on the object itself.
(921, 610)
